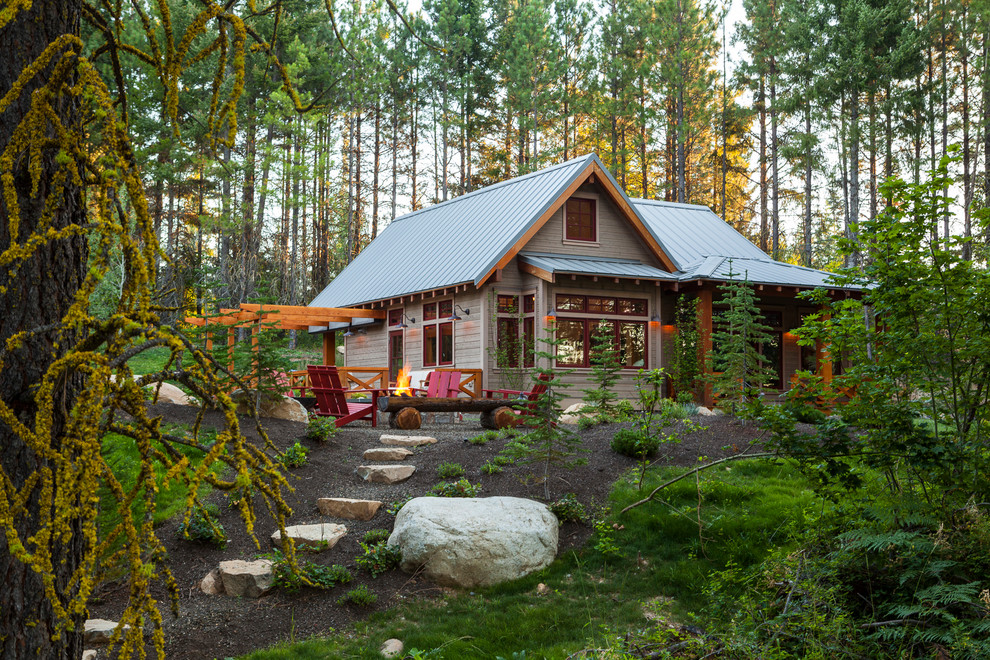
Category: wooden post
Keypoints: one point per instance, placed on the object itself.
(256, 366)
(824, 359)
(705, 344)
(329, 344)
(231, 339)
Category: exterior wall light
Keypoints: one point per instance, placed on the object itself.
(453, 315)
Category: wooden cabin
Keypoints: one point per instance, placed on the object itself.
(474, 282)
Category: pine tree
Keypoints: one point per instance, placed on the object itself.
(605, 369)
(737, 361)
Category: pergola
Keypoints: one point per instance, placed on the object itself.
(283, 317)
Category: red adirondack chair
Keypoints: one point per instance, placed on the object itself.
(331, 398)
(442, 384)
(524, 402)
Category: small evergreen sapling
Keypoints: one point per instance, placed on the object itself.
(605, 368)
(740, 370)
(547, 441)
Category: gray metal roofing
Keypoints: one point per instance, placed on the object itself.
(758, 271)
(630, 268)
(690, 232)
(454, 242)
(459, 241)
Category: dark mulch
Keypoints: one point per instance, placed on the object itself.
(218, 626)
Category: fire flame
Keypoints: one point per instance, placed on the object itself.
(402, 381)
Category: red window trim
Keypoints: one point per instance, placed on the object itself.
(579, 226)
(588, 323)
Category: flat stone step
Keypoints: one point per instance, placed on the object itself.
(385, 474)
(407, 440)
(321, 536)
(344, 507)
(386, 454)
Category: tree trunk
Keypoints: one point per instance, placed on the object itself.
(761, 104)
(38, 295)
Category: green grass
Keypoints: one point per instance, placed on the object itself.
(746, 510)
(122, 455)
(149, 361)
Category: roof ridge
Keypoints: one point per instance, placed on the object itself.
(680, 205)
(496, 186)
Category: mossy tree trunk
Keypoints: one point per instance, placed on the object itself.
(37, 295)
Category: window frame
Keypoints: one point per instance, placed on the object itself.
(517, 319)
(595, 228)
(581, 304)
(435, 329)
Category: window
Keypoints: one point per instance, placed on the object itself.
(516, 330)
(438, 334)
(771, 350)
(395, 316)
(580, 223)
(575, 334)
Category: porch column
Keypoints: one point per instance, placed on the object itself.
(329, 345)
(824, 358)
(705, 343)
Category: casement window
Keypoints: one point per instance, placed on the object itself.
(516, 330)
(574, 333)
(581, 220)
(395, 316)
(438, 333)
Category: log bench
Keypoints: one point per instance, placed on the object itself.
(492, 414)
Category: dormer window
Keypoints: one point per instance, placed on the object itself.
(581, 221)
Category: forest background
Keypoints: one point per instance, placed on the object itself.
(826, 98)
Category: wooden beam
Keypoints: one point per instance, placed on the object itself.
(350, 312)
(329, 342)
(544, 275)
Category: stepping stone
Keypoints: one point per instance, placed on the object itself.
(407, 440)
(89, 654)
(251, 579)
(385, 474)
(321, 536)
(386, 454)
(98, 631)
(212, 584)
(343, 507)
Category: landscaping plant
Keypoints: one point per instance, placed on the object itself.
(294, 456)
(361, 596)
(377, 558)
(202, 526)
(605, 370)
(321, 429)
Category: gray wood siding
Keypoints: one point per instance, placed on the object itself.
(616, 237)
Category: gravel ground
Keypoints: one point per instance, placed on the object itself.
(219, 626)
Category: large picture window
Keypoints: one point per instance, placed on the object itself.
(438, 334)
(581, 223)
(575, 334)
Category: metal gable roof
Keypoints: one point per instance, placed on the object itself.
(627, 268)
(690, 232)
(758, 271)
(454, 242)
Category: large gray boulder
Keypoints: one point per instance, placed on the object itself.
(467, 542)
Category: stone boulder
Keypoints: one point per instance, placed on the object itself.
(250, 579)
(345, 507)
(321, 536)
(407, 440)
(468, 542)
(98, 631)
(212, 584)
(386, 454)
(89, 654)
(385, 474)
(392, 647)
(169, 393)
(282, 407)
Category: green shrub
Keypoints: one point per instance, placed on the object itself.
(634, 443)
(396, 505)
(805, 413)
(585, 423)
(309, 574)
(373, 536)
(321, 429)
(484, 438)
(568, 508)
(362, 597)
(204, 527)
(490, 468)
(502, 460)
(378, 558)
(450, 470)
(294, 456)
(459, 488)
